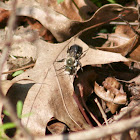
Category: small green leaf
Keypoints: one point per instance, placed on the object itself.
(97, 2)
(19, 108)
(6, 112)
(17, 73)
(111, 1)
(7, 126)
(103, 31)
(114, 28)
(59, 1)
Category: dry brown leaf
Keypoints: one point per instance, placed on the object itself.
(63, 28)
(123, 48)
(56, 127)
(135, 51)
(136, 110)
(51, 95)
(32, 22)
(35, 25)
(52, 98)
(4, 17)
(111, 82)
(113, 39)
(114, 95)
(22, 42)
(130, 111)
(113, 86)
(134, 88)
(85, 78)
(82, 89)
(131, 46)
(125, 30)
(68, 8)
(123, 41)
(136, 80)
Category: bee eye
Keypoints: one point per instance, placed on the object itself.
(70, 61)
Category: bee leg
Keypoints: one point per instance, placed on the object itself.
(83, 54)
(62, 60)
(75, 74)
(61, 68)
(79, 63)
(60, 73)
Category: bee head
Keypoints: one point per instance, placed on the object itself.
(75, 51)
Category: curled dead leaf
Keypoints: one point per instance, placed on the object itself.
(60, 26)
(123, 49)
(111, 83)
(122, 42)
(112, 107)
(115, 88)
(111, 95)
(56, 127)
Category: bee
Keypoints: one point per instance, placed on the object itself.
(72, 61)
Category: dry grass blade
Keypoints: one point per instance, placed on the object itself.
(23, 68)
(101, 110)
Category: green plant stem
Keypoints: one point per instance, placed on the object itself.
(82, 15)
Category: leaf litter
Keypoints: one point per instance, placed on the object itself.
(53, 97)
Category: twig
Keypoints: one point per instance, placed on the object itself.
(123, 23)
(120, 16)
(25, 67)
(82, 109)
(84, 104)
(94, 26)
(101, 110)
(99, 132)
(119, 117)
(6, 102)
(76, 5)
